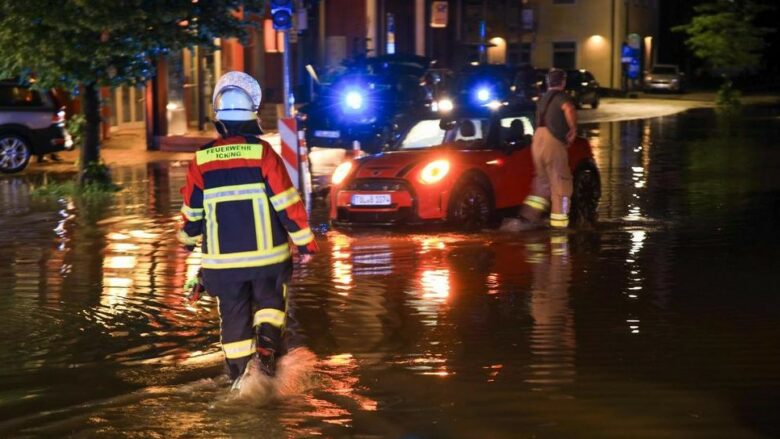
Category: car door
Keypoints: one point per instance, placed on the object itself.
(512, 166)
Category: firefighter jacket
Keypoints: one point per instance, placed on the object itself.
(240, 201)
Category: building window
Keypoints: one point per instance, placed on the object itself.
(563, 2)
(565, 55)
(520, 53)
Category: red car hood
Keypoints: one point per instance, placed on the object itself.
(394, 164)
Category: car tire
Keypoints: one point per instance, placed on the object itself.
(595, 103)
(470, 206)
(585, 196)
(14, 153)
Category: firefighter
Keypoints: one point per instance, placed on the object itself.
(240, 202)
(556, 129)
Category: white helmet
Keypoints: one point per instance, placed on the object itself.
(236, 97)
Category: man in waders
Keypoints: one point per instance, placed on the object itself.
(240, 201)
(556, 129)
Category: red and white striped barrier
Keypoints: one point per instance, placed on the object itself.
(292, 149)
(288, 134)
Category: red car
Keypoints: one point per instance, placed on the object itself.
(463, 171)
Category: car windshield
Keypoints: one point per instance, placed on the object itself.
(470, 131)
(666, 70)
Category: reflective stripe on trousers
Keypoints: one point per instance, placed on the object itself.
(552, 177)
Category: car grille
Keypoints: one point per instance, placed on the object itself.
(377, 185)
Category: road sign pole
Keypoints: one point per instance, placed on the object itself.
(288, 99)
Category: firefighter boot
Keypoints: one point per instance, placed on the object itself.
(268, 338)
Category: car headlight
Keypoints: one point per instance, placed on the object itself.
(354, 100)
(434, 171)
(446, 105)
(341, 172)
(494, 104)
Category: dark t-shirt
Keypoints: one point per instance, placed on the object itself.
(554, 119)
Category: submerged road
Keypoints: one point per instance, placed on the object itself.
(661, 322)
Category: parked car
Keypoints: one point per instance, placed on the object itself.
(462, 171)
(664, 77)
(31, 123)
(583, 88)
(581, 85)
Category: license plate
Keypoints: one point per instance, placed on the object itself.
(327, 134)
(371, 200)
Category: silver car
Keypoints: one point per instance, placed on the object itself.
(664, 77)
(31, 123)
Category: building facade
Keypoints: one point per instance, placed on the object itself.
(586, 34)
(589, 34)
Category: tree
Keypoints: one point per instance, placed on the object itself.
(724, 34)
(88, 44)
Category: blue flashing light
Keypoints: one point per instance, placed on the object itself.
(483, 94)
(353, 100)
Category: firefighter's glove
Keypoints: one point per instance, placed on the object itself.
(193, 289)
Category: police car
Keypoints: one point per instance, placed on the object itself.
(487, 88)
(360, 103)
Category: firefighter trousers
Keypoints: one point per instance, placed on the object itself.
(552, 185)
(253, 315)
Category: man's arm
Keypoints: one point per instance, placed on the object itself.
(287, 202)
(192, 208)
(571, 119)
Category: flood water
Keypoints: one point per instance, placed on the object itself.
(664, 321)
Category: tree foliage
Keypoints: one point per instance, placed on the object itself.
(86, 44)
(67, 43)
(724, 34)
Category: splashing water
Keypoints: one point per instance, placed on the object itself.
(294, 375)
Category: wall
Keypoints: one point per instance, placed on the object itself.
(581, 21)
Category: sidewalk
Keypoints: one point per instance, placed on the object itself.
(127, 147)
(646, 105)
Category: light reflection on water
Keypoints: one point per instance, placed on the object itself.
(431, 334)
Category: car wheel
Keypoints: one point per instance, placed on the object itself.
(585, 196)
(14, 153)
(595, 103)
(470, 207)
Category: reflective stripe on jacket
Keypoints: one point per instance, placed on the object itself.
(240, 200)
